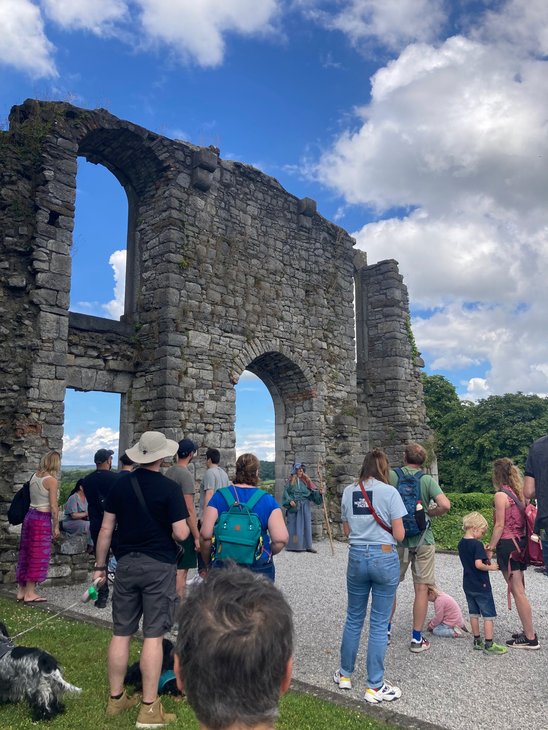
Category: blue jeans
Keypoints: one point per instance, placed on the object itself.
(544, 544)
(444, 630)
(370, 571)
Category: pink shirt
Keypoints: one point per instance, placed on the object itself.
(447, 611)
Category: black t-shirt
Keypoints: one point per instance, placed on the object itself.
(473, 580)
(97, 486)
(137, 531)
(536, 466)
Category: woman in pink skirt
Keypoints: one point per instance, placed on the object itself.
(39, 526)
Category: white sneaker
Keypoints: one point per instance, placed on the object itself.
(342, 681)
(386, 693)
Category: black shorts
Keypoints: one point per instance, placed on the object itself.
(505, 547)
(143, 587)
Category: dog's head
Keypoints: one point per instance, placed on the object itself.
(4, 631)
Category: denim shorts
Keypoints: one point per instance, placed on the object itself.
(481, 603)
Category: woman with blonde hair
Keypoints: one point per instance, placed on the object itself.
(509, 535)
(41, 523)
(372, 512)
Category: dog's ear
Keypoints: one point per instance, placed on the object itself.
(4, 630)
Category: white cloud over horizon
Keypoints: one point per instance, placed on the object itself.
(115, 307)
(455, 139)
(80, 449)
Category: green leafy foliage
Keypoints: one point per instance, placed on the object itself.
(68, 480)
(266, 470)
(470, 436)
(448, 528)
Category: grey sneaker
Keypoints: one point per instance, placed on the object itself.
(418, 646)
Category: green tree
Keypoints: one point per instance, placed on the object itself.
(470, 436)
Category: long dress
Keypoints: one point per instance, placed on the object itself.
(299, 518)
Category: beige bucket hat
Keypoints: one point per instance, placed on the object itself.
(152, 446)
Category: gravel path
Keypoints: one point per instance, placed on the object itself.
(451, 685)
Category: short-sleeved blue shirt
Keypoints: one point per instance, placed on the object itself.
(263, 509)
(473, 580)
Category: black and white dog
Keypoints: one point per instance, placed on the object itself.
(33, 675)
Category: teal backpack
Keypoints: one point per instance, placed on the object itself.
(238, 531)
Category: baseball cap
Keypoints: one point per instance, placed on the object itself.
(102, 455)
(186, 447)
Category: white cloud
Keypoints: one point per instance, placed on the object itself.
(97, 16)
(196, 31)
(115, 307)
(519, 22)
(260, 444)
(455, 138)
(80, 449)
(23, 43)
(394, 23)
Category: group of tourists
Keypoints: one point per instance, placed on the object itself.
(150, 521)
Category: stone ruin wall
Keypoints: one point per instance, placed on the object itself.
(226, 271)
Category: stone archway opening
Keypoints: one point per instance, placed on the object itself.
(297, 420)
(99, 246)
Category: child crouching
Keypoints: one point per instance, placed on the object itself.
(447, 620)
(476, 583)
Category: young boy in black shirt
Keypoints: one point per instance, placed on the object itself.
(476, 584)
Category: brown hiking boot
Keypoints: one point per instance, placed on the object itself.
(154, 715)
(116, 707)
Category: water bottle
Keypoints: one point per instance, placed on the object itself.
(91, 593)
(420, 516)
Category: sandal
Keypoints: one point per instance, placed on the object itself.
(38, 599)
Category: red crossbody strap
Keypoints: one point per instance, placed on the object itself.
(374, 514)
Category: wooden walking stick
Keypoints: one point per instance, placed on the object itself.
(324, 502)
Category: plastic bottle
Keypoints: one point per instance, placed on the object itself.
(420, 516)
(90, 593)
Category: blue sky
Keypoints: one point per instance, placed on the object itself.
(420, 126)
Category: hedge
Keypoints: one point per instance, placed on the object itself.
(448, 529)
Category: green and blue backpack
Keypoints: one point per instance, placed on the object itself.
(238, 532)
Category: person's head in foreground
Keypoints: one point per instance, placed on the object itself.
(233, 656)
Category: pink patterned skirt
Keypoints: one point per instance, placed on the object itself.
(34, 548)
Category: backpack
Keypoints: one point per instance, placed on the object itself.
(531, 552)
(20, 505)
(409, 487)
(238, 531)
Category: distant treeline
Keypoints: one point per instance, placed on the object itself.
(470, 436)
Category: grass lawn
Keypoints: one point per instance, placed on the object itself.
(82, 649)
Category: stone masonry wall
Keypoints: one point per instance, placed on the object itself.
(389, 365)
(226, 271)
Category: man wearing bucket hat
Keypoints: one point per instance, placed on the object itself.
(148, 511)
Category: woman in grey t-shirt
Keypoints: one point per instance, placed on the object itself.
(372, 512)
